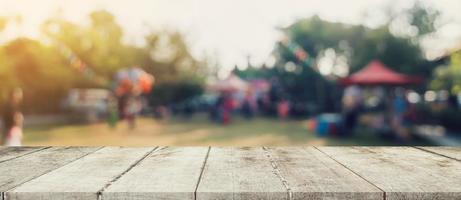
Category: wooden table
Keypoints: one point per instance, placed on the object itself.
(230, 173)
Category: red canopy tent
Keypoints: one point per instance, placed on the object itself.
(376, 73)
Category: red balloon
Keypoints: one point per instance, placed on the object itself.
(146, 82)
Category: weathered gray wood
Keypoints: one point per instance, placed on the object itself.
(231, 173)
(403, 172)
(81, 179)
(240, 173)
(168, 173)
(310, 174)
(452, 152)
(20, 170)
(8, 153)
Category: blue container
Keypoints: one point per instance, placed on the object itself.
(322, 127)
(325, 122)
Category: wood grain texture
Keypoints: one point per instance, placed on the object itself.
(452, 152)
(240, 173)
(403, 172)
(20, 170)
(81, 179)
(230, 173)
(168, 173)
(9, 153)
(310, 174)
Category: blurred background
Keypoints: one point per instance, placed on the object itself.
(241, 73)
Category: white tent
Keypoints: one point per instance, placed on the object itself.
(231, 84)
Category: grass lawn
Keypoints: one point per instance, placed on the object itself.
(197, 131)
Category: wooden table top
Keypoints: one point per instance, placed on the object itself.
(230, 173)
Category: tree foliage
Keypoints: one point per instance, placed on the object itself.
(35, 68)
(423, 18)
(44, 70)
(357, 43)
(354, 45)
(3, 23)
(99, 45)
(449, 77)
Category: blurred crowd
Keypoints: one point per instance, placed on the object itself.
(397, 111)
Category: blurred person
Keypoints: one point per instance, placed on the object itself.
(122, 105)
(283, 108)
(222, 110)
(13, 119)
(188, 110)
(129, 101)
(398, 111)
(132, 108)
(264, 104)
(399, 106)
(351, 103)
(215, 111)
(249, 105)
(226, 108)
(411, 113)
(162, 112)
(453, 101)
(112, 111)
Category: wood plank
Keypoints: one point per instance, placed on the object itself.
(403, 172)
(82, 179)
(20, 170)
(9, 153)
(311, 174)
(240, 173)
(451, 152)
(169, 173)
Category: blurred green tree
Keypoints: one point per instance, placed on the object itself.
(99, 45)
(45, 68)
(423, 18)
(179, 75)
(449, 77)
(353, 45)
(35, 67)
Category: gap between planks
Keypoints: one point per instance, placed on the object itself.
(201, 172)
(268, 154)
(384, 193)
(436, 153)
(2, 194)
(278, 173)
(99, 193)
(272, 162)
(78, 158)
(36, 150)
